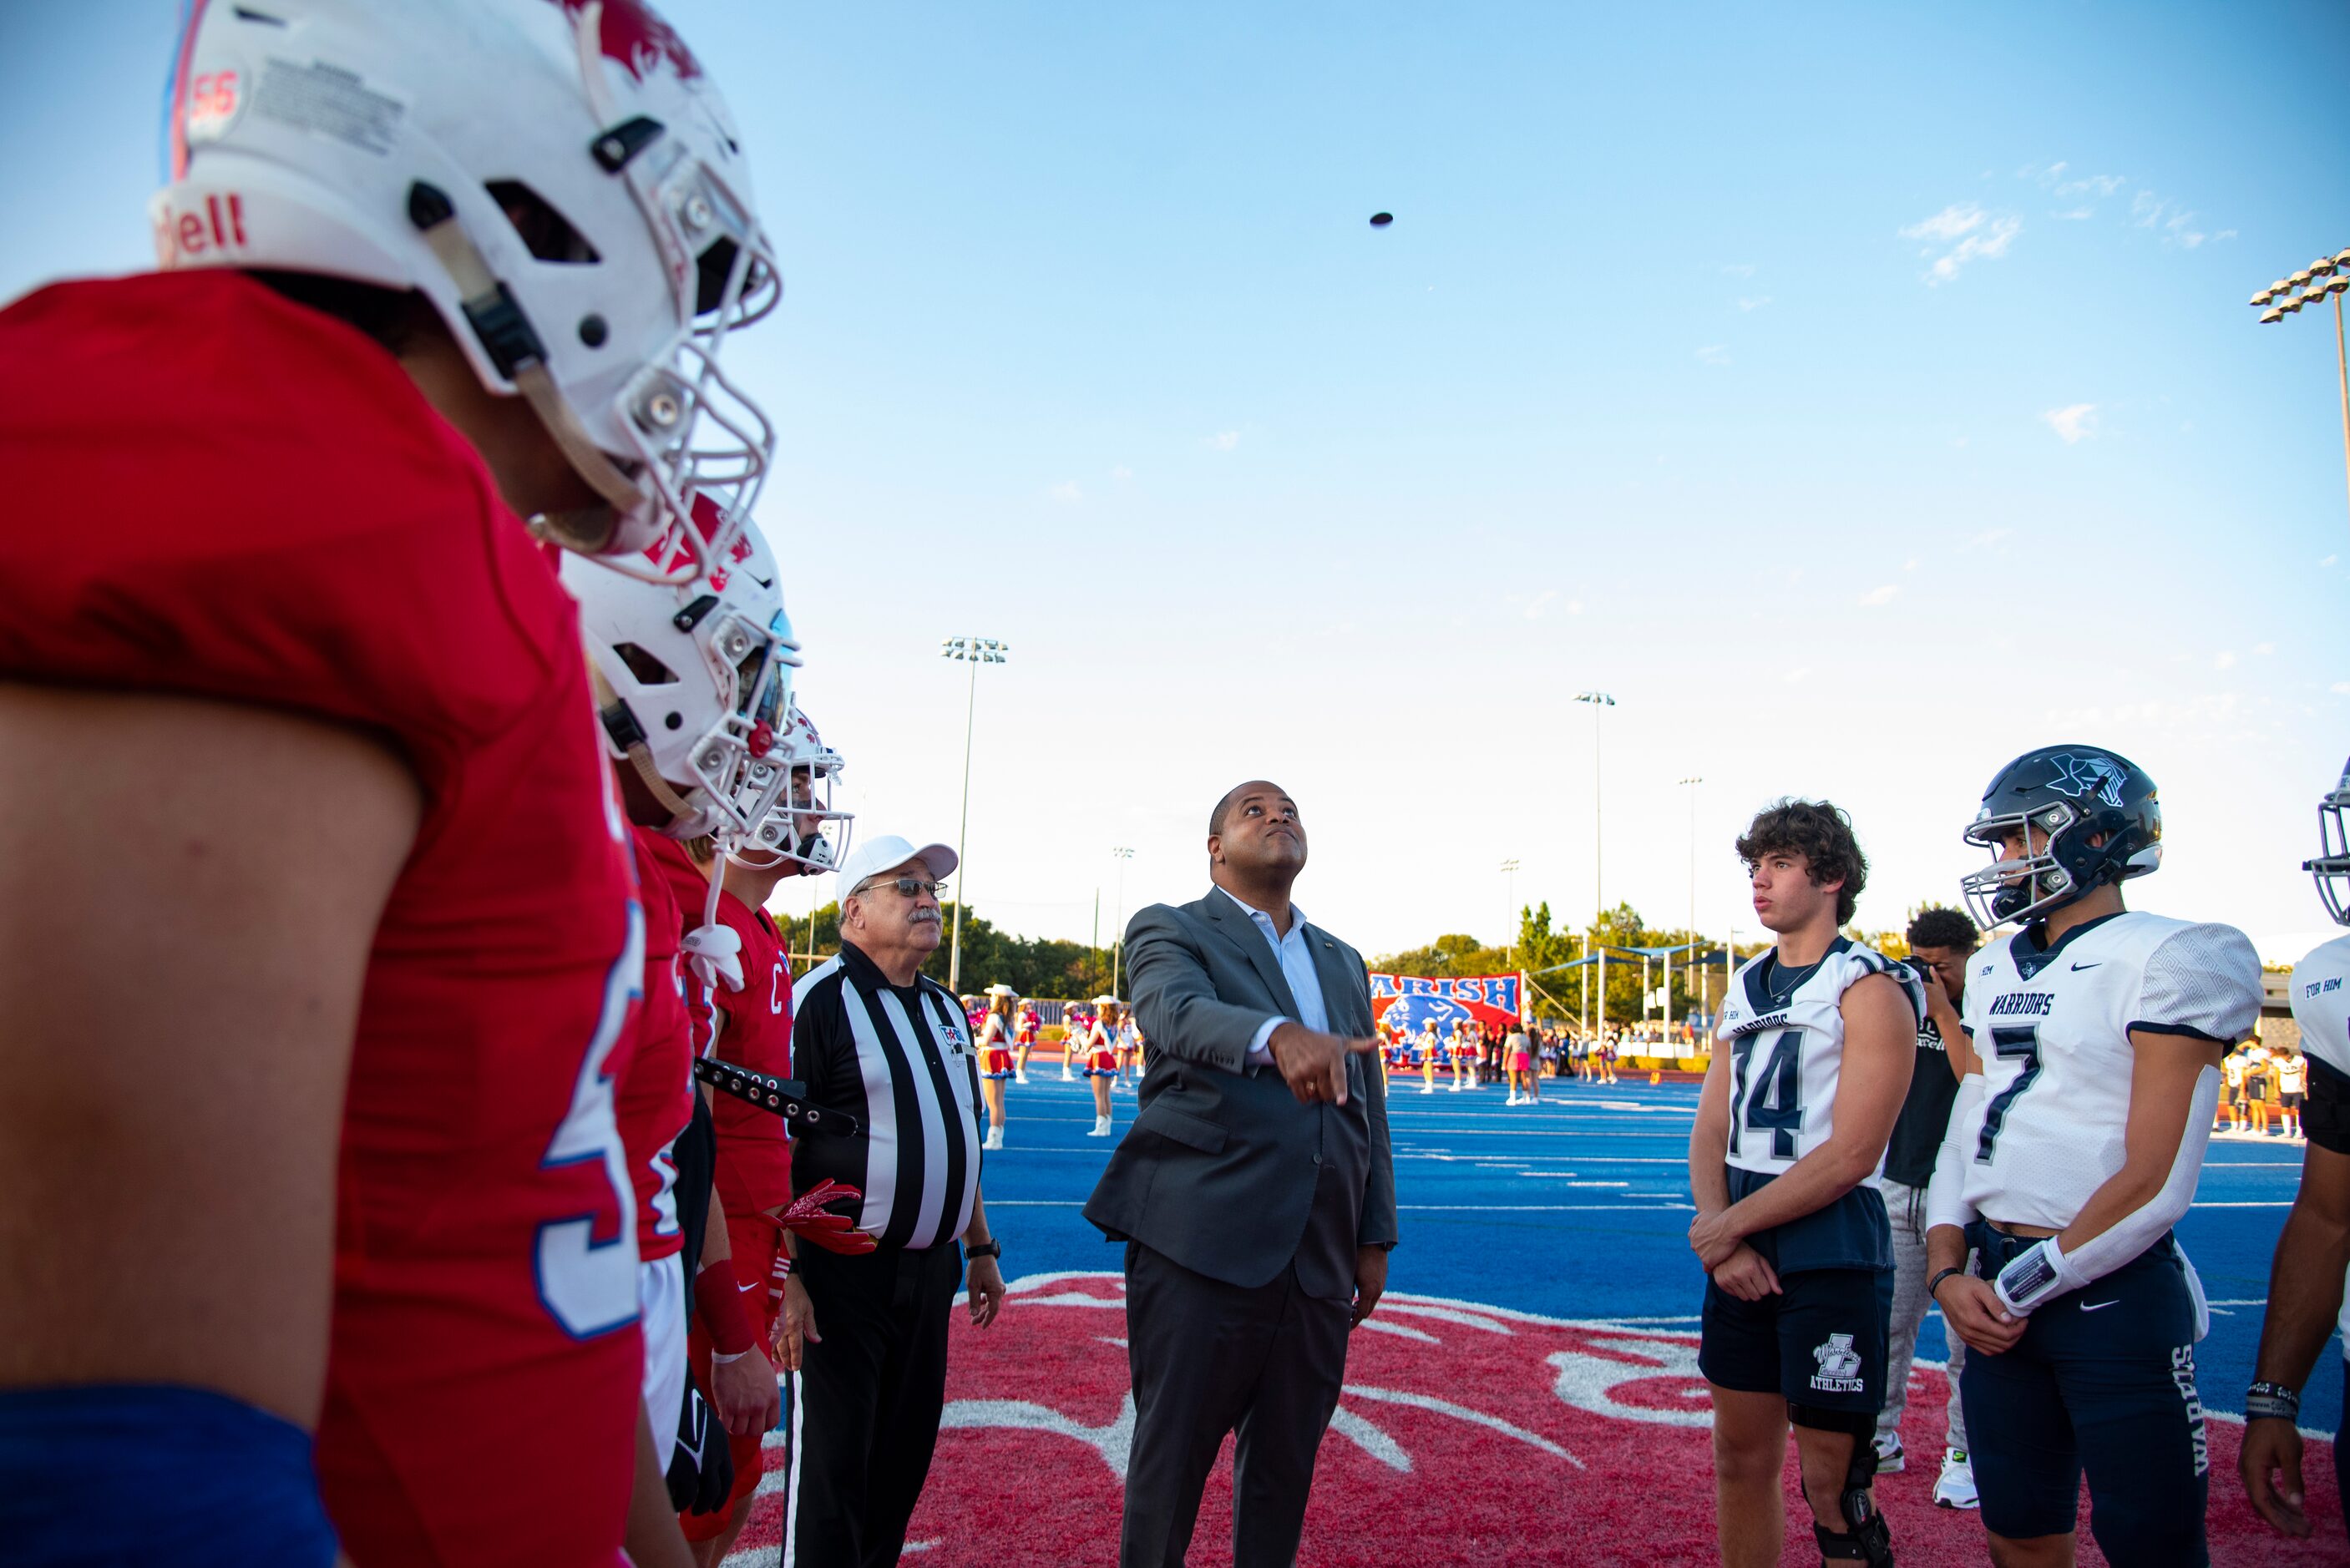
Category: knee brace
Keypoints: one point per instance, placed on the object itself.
(1865, 1538)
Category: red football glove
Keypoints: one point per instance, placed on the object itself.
(807, 1217)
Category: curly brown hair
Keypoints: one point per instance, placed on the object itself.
(1818, 832)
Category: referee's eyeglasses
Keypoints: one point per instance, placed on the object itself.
(908, 887)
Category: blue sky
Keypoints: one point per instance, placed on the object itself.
(1859, 394)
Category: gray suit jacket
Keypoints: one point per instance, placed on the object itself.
(1223, 1170)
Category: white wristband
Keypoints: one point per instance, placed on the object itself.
(719, 1360)
(2035, 1276)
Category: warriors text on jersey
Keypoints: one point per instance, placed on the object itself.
(221, 494)
(1785, 1031)
(2050, 1027)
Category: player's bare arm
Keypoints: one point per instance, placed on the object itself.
(654, 1539)
(2304, 1300)
(1879, 1051)
(174, 982)
(1741, 1271)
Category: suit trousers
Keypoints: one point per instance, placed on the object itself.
(1208, 1358)
(871, 1392)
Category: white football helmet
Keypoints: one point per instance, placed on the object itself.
(557, 177)
(694, 681)
(803, 826)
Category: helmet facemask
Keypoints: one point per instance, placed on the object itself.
(804, 827)
(2331, 868)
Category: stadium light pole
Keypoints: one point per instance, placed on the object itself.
(1691, 783)
(1118, 922)
(2327, 276)
(1510, 869)
(1599, 702)
(973, 652)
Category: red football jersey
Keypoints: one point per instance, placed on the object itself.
(754, 1160)
(656, 1086)
(219, 494)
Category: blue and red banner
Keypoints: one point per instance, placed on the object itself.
(1409, 1000)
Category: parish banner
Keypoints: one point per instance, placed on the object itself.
(1409, 1000)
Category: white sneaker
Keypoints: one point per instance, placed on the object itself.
(995, 1138)
(1020, 1078)
(1456, 1088)
(1067, 1076)
(1101, 1127)
(1428, 1088)
(1890, 1460)
(1510, 1101)
(1956, 1487)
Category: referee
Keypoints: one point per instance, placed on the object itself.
(868, 1331)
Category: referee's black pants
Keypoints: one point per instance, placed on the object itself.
(870, 1392)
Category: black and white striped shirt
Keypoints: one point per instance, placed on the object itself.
(899, 1060)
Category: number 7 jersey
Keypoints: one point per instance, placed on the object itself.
(2050, 1027)
(1785, 1031)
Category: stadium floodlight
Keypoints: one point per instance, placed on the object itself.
(1120, 854)
(1599, 702)
(1510, 869)
(973, 652)
(2263, 297)
(2333, 272)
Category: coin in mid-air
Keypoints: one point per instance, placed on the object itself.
(1381, 220)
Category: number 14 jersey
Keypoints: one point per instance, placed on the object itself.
(2051, 1026)
(1785, 1031)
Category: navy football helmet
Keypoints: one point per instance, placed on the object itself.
(2071, 795)
(2332, 867)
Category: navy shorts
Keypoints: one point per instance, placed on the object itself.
(2102, 1381)
(1820, 1341)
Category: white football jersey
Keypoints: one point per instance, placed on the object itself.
(1786, 1051)
(2320, 1006)
(2052, 1031)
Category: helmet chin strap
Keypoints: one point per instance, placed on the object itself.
(621, 726)
(513, 345)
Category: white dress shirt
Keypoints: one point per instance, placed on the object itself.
(1296, 962)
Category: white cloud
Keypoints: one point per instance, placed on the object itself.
(2074, 214)
(2329, 560)
(1737, 269)
(1714, 354)
(2342, 688)
(1067, 493)
(1946, 224)
(2177, 224)
(1797, 677)
(1878, 596)
(1989, 537)
(1574, 607)
(2226, 660)
(1910, 564)
(1121, 471)
(2074, 423)
(1224, 441)
(2264, 649)
(1971, 233)
(1539, 603)
(1754, 302)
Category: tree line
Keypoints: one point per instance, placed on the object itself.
(1032, 966)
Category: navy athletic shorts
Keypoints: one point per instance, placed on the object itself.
(1820, 1341)
(2102, 1381)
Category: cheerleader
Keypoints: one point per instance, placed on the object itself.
(1135, 1047)
(1464, 1055)
(1074, 1022)
(1102, 1050)
(1521, 1063)
(992, 1038)
(1031, 1023)
(1427, 1050)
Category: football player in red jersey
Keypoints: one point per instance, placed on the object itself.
(301, 657)
(691, 681)
(745, 1016)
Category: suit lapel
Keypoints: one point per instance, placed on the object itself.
(1232, 923)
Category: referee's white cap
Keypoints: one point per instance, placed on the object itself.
(872, 856)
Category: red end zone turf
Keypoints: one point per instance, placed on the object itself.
(1468, 1434)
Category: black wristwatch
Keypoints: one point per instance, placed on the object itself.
(1936, 1282)
(989, 1248)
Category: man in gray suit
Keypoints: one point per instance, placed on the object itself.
(1255, 1192)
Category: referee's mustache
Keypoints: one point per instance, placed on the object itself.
(924, 914)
